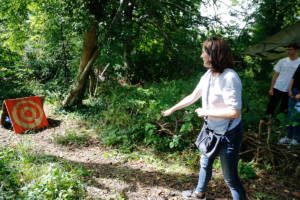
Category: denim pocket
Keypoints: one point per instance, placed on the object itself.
(233, 137)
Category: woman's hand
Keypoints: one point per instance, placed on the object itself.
(201, 112)
(167, 112)
(297, 96)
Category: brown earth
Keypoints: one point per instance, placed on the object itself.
(114, 176)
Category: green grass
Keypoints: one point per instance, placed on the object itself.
(246, 170)
(262, 196)
(24, 175)
(73, 138)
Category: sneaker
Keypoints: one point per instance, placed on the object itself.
(193, 194)
(294, 142)
(285, 140)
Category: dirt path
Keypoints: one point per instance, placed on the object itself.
(115, 177)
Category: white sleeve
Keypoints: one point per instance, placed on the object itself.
(232, 91)
(199, 88)
(203, 81)
(278, 65)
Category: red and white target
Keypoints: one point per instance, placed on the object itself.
(26, 113)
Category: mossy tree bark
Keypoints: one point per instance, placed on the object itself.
(89, 55)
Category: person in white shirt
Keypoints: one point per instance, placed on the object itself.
(284, 71)
(221, 91)
(293, 131)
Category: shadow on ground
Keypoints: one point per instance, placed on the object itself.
(53, 123)
(137, 180)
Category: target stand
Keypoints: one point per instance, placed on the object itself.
(24, 113)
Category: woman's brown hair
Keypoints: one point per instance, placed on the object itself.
(219, 53)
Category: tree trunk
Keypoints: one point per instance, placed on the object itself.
(89, 54)
(127, 43)
(89, 46)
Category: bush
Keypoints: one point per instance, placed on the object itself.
(54, 183)
(246, 170)
(14, 83)
(130, 115)
(27, 176)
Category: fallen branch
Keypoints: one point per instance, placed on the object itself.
(163, 128)
(263, 150)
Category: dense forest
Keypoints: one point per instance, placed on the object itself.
(107, 70)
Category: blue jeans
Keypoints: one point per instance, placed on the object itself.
(229, 155)
(294, 116)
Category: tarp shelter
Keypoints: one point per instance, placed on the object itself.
(24, 113)
(273, 48)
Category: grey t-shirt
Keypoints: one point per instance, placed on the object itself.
(225, 91)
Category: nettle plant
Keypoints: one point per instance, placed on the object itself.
(133, 115)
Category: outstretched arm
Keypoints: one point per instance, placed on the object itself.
(188, 100)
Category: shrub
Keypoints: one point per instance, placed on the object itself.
(246, 170)
(27, 176)
(133, 115)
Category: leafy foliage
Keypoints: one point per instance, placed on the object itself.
(272, 16)
(156, 43)
(131, 115)
(11, 86)
(27, 176)
(246, 170)
(137, 117)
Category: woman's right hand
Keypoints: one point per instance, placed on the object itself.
(167, 112)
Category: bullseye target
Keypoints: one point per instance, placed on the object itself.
(26, 113)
